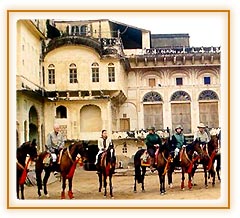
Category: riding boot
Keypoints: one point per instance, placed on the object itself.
(152, 164)
(56, 168)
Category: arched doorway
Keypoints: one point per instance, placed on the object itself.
(208, 108)
(90, 119)
(153, 110)
(33, 124)
(181, 110)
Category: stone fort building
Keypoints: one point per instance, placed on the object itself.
(90, 75)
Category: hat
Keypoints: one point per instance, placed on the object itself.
(201, 125)
(178, 127)
(151, 128)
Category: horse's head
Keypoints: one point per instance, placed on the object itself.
(82, 149)
(31, 149)
(111, 153)
(213, 143)
(196, 146)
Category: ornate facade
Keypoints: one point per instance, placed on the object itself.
(100, 74)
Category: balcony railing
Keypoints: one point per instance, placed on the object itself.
(181, 50)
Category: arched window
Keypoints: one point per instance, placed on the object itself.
(152, 96)
(61, 112)
(84, 30)
(180, 96)
(73, 73)
(51, 74)
(208, 95)
(95, 72)
(111, 72)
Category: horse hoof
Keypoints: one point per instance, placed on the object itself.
(47, 196)
(206, 187)
(171, 185)
(112, 197)
(162, 193)
(143, 191)
(182, 189)
(134, 191)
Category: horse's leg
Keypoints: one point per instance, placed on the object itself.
(22, 191)
(135, 184)
(100, 181)
(45, 180)
(70, 193)
(205, 175)
(169, 175)
(183, 178)
(105, 184)
(63, 187)
(218, 167)
(190, 180)
(39, 181)
(143, 176)
(213, 173)
(17, 187)
(110, 185)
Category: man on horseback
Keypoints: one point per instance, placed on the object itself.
(178, 140)
(152, 141)
(55, 143)
(201, 135)
(103, 144)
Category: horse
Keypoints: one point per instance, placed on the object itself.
(188, 155)
(140, 169)
(207, 159)
(67, 164)
(163, 160)
(43, 163)
(27, 148)
(107, 167)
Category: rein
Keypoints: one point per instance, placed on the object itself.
(69, 155)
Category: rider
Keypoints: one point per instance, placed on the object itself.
(201, 134)
(152, 140)
(55, 143)
(178, 140)
(103, 143)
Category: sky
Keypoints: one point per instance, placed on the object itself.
(204, 28)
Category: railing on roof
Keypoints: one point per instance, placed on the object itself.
(181, 50)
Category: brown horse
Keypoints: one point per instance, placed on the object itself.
(107, 167)
(188, 157)
(162, 165)
(68, 164)
(164, 160)
(209, 154)
(27, 148)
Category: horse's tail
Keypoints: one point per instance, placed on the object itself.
(138, 176)
(137, 165)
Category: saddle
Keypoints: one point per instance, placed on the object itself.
(47, 159)
(145, 158)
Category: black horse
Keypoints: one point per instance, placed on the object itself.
(107, 168)
(140, 169)
(27, 148)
